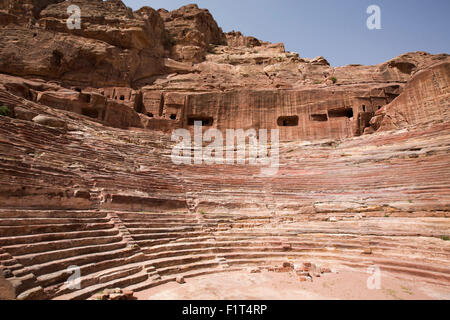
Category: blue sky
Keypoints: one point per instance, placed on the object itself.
(335, 29)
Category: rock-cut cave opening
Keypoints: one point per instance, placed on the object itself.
(288, 121)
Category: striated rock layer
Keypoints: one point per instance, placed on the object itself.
(86, 177)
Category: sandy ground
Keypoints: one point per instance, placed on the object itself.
(348, 285)
(6, 289)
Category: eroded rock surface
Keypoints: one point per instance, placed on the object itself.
(86, 177)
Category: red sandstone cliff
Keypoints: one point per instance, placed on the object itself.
(86, 176)
(163, 68)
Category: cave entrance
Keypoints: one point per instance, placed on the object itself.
(319, 117)
(288, 121)
(206, 121)
(341, 113)
(86, 98)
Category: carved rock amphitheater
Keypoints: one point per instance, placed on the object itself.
(87, 180)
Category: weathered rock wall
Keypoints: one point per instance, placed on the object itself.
(87, 179)
(191, 30)
(425, 100)
(308, 114)
(230, 80)
(25, 10)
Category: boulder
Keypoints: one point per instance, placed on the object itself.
(24, 114)
(253, 270)
(180, 280)
(191, 30)
(49, 121)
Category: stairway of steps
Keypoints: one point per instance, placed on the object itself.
(153, 232)
(222, 262)
(137, 250)
(180, 243)
(124, 232)
(44, 244)
(96, 198)
(22, 281)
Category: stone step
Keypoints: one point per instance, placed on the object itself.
(248, 249)
(239, 244)
(175, 253)
(13, 231)
(23, 282)
(159, 236)
(150, 243)
(301, 231)
(9, 262)
(339, 258)
(172, 278)
(151, 216)
(35, 293)
(374, 226)
(17, 269)
(196, 239)
(5, 213)
(435, 265)
(159, 219)
(175, 220)
(102, 277)
(43, 257)
(157, 230)
(58, 277)
(156, 225)
(436, 277)
(169, 247)
(161, 263)
(45, 237)
(149, 283)
(269, 254)
(337, 242)
(57, 265)
(48, 221)
(183, 268)
(22, 249)
(116, 283)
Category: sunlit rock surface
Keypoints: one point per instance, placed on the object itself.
(86, 177)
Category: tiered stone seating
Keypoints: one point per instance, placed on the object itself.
(111, 202)
(155, 234)
(43, 244)
(385, 243)
(191, 245)
(82, 183)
